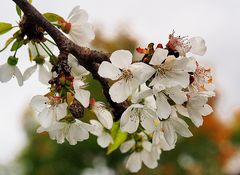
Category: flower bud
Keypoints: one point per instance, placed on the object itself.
(39, 59)
(12, 60)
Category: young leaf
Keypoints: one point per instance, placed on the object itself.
(52, 17)
(30, 1)
(16, 45)
(118, 137)
(5, 27)
(9, 41)
(19, 11)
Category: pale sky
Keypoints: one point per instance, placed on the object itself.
(217, 21)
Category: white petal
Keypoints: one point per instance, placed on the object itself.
(61, 110)
(169, 133)
(44, 75)
(184, 65)
(6, 72)
(196, 117)
(163, 107)
(142, 71)
(104, 140)
(147, 145)
(120, 91)
(18, 75)
(46, 117)
(206, 110)
(126, 146)
(82, 95)
(121, 58)
(148, 159)
(104, 116)
(181, 127)
(39, 102)
(78, 15)
(77, 133)
(159, 56)
(134, 162)
(108, 70)
(129, 121)
(176, 78)
(182, 110)
(197, 46)
(29, 71)
(98, 128)
(147, 121)
(177, 95)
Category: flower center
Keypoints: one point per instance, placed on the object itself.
(126, 74)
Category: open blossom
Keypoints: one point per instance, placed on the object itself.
(139, 112)
(195, 108)
(74, 131)
(103, 115)
(50, 109)
(104, 138)
(169, 128)
(127, 76)
(8, 71)
(78, 28)
(202, 80)
(44, 67)
(162, 95)
(183, 45)
(142, 153)
(170, 71)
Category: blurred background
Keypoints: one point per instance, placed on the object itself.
(215, 147)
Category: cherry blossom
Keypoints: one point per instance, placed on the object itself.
(127, 76)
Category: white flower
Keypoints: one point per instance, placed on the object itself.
(140, 111)
(103, 115)
(73, 132)
(50, 109)
(127, 76)
(162, 95)
(44, 74)
(202, 81)
(104, 138)
(169, 128)
(82, 95)
(142, 153)
(196, 108)
(183, 45)
(170, 71)
(79, 29)
(8, 71)
(197, 45)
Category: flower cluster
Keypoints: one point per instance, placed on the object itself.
(161, 90)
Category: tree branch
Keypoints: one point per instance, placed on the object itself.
(86, 57)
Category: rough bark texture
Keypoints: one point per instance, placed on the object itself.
(90, 59)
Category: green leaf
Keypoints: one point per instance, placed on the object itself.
(118, 137)
(9, 41)
(19, 11)
(52, 17)
(16, 45)
(30, 1)
(5, 27)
